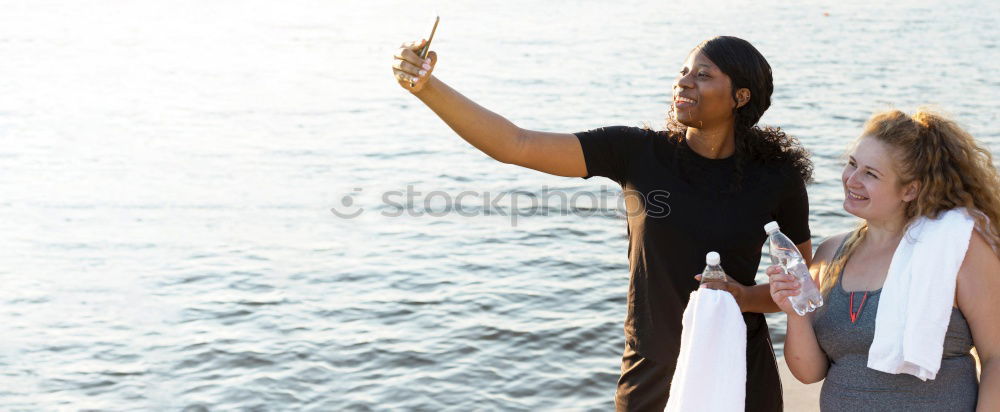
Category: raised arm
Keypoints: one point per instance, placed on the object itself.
(554, 153)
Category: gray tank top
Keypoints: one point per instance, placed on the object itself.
(851, 385)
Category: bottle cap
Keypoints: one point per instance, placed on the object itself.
(712, 258)
(771, 227)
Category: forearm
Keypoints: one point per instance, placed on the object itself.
(989, 386)
(758, 300)
(487, 131)
(805, 359)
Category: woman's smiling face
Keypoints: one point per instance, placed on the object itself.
(872, 187)
(702, 93)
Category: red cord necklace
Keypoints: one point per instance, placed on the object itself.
(854, 315)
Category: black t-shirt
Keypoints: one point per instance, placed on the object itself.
(681, 206)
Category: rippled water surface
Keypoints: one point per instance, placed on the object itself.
(167, 171)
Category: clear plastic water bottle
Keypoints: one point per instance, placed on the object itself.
(713, 271)
(784, 253)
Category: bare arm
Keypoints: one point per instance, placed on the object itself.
(554, 153)
(977, 292)
(805, 358)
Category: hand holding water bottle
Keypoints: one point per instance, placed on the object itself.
(786, 256)
(713, 277)
(783, 286)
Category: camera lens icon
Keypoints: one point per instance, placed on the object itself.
(346, 202)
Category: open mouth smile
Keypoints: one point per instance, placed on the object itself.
(681, 101)
(856, 196)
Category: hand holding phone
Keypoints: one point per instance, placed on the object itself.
(414, 62)
(427, 45)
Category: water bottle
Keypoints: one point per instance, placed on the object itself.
(784, 253)
(713, 272)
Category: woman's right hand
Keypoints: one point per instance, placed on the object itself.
(783, 285)
(410, 70)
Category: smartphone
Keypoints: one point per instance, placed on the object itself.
(427, 47)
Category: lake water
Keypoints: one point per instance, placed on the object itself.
(168, 170)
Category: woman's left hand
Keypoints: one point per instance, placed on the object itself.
(738, 291)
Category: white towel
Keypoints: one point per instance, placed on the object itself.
(914, 308)
(711, 372)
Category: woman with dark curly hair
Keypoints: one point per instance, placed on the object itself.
(709, 182)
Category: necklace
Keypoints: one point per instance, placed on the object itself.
(854, 315)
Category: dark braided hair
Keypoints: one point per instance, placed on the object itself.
(748, 69)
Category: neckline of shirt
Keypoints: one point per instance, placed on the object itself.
(692, 154)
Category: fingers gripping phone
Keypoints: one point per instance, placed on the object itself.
(427, 46)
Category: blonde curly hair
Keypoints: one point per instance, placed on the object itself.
(953, 170)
